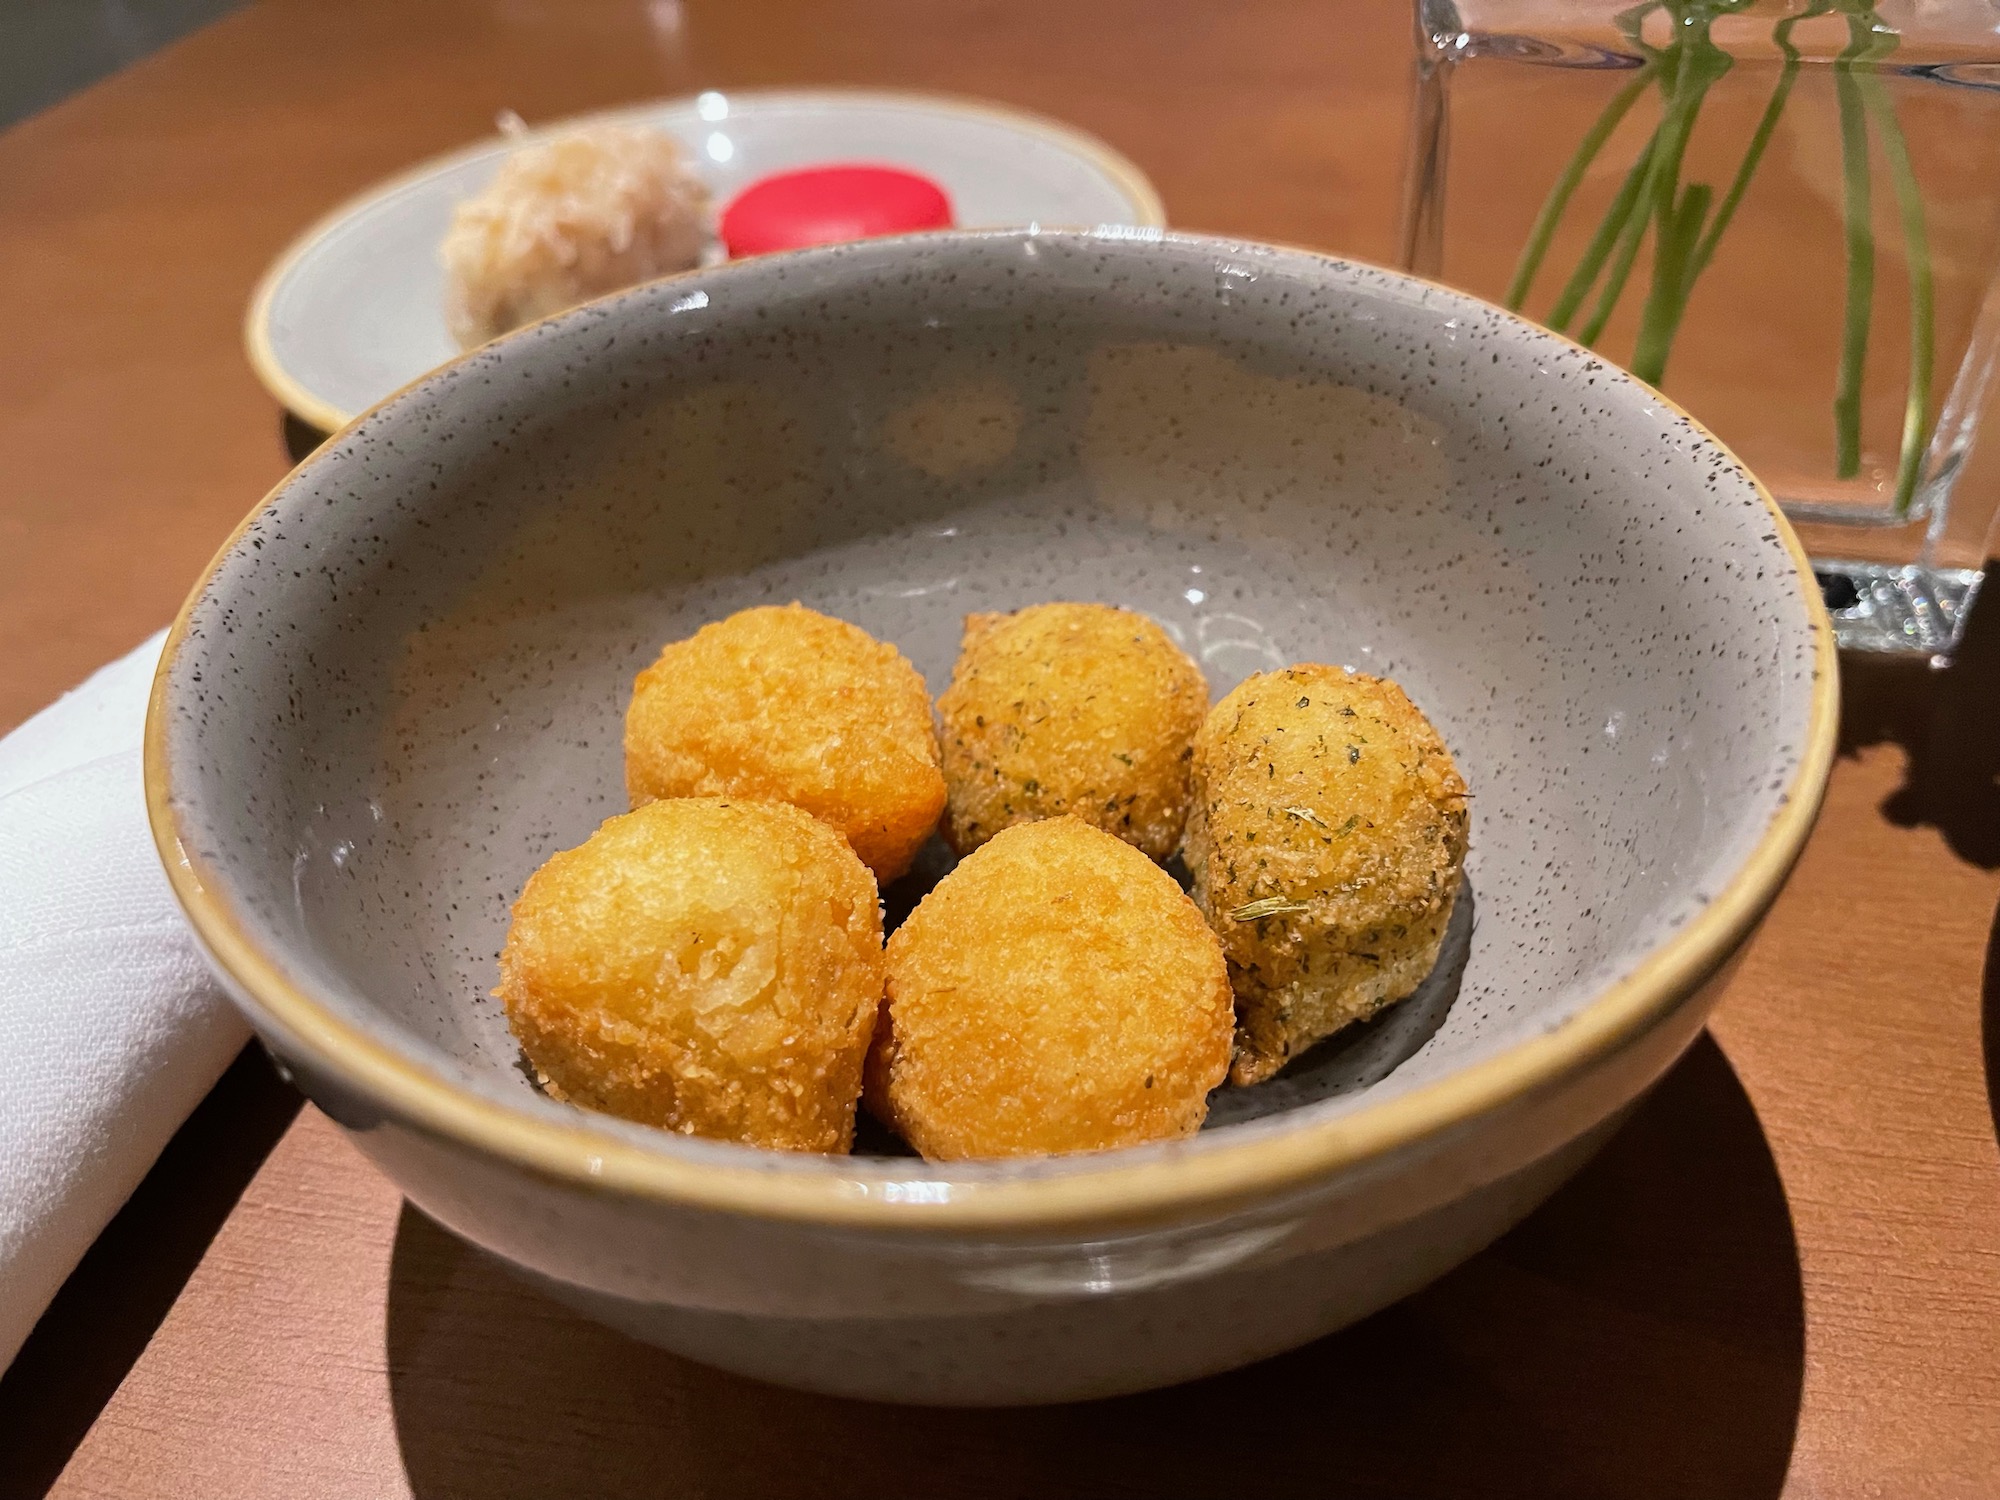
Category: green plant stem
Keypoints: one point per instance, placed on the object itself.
(1639, 212)
(1678, 216)
(1858, 209)
(1636, 216)
(1625, 223)
(1583, 275)
(1630, 20)
(1923, 308)
(1686, 237)
(1673, 276)
(1543, 232)
(1616, 217)
(1759, 139)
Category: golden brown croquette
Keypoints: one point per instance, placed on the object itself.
(1077, 709)
(708, 965)
(789, 705)
(1327, 840)
(1056, 992)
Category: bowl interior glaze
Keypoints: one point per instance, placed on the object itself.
(403, 686)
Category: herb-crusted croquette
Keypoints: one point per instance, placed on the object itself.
(1056, 992)
(1077, 709)
(789, 705)
(705, 965)
(1327, 843)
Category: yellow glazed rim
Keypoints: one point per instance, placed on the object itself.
(309, 406)
(1129, 1187)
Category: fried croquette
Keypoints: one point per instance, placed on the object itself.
(712, 966)
(789, 705)
(1056, 992)
(1327, 841)
(1070, 708)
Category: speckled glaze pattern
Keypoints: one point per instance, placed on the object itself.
(402, 688)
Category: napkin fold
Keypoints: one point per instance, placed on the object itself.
(111, 1027)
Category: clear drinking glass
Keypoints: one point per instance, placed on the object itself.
(1786, 213)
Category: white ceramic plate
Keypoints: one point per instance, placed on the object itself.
(354, 309)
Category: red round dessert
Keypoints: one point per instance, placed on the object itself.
(824, 205)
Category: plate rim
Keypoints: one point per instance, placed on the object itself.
(311, 407)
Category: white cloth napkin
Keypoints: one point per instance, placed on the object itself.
(111, 1028)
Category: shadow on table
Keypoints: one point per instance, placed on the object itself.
(1641, 1335)
(300, 437)
(1948, 722)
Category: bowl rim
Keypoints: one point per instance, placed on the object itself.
(1135, 1187)
(309, 406)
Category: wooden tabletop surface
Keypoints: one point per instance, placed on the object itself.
(1782, 1278)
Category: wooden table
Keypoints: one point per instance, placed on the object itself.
(1782, 1278)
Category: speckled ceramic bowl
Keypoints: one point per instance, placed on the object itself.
(400, 688)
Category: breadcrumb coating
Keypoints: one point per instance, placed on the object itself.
(1055, 993)
(1327, 843)
(790, 705)
(1077, 709)
(705, 965)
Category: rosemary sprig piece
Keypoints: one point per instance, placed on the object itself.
(1268, 906)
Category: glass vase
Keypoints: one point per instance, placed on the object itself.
(1785, 215)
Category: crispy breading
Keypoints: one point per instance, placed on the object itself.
(1056, 992)
(790, 705)
(712, 966)
(1327, 843)
(1070, 708)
